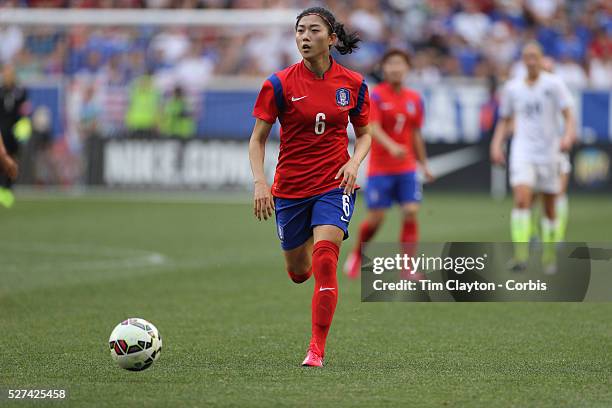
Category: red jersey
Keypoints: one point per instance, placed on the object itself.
(398, 114)
(313, 113)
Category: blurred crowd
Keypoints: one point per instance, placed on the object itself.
(148, 80)
(473, 38)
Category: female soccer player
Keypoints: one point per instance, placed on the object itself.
(313, 193)
(397, 117)
(533, 103)
(565, 168)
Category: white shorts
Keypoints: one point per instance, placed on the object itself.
(566, 165)
(542, 178)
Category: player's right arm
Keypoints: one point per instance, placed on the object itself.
(7, 163)
(395, 149)
(266, 110)
(263, 202)
(502, 132)
(502, 129)
(377, 132)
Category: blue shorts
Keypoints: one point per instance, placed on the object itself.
(383, 190)
(295, 218)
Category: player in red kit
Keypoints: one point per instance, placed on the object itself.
(396, 119)
(313, 194)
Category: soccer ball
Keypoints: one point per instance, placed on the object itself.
(135, 344)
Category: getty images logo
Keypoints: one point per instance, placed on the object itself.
(422, 263)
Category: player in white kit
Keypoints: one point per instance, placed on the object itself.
(533, 103)
(561, 201)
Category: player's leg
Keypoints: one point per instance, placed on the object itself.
(410, 225)
(549, 219)
(409, 195)
(331, 214)
(378, 200)
(7, 199)
(522, 180)
(535, 219)
(562, 206)
(295, 233)
(549, 182)
(298, 262)
(409, 233)
(372, 222)
(549, 232)
(367, 229)
(520, 222)
(327, 241)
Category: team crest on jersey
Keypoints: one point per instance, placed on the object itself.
(343, 97)
(411, 108)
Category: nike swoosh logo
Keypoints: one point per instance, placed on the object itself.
(447, 163)
(324, 289)
(297, 99)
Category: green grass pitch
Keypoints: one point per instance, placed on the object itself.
(235, 328)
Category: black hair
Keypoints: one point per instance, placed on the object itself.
(347, 42)
(393, 52)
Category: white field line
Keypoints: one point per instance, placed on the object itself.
(116, 258)
(25, 194)
(126, 258)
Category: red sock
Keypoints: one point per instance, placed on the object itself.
(366, 232)
(300, 278)
(325, 297)
(410, 236)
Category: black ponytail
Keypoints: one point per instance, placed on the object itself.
(347, 42)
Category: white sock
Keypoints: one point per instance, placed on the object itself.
(561, 203)
(548, 229)
(520, 221)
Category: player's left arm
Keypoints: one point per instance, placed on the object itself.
(351, 168)
(564, 98)
(569, 135)
(421, 153)
(360, 118)
(418, 143)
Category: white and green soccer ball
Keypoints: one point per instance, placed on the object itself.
(135, 344)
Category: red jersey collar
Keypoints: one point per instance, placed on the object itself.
(392, 90)
(332, 68)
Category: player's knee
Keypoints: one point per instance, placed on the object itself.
(409, 215)
(549, 211)
(374, 224)
(409, 212)
(522, 204)
(299, 273)
(522, 201)
(375, 219)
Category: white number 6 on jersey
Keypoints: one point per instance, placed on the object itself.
(320, 123)
(346, 205)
